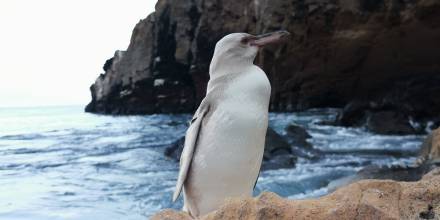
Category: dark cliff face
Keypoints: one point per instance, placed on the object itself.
(385, 52)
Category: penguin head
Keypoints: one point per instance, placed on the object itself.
(242, 48)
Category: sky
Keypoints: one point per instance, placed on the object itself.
(51, 51)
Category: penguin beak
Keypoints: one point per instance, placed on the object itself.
(269, 38)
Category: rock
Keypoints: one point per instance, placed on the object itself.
(379, 118)
(366, 199)
(398, 173)
(298, 136)
(282, 161)
(175, 149)
(172, 215)
(339, 52)
(353, 114)
(158, 52)
(395, 172)
(275, 145)
(389, 122)
(430, 150)
(434, 124)
(277, 152)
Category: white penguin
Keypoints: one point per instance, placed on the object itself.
(224, 144)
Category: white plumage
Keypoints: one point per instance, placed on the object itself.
(224, 144)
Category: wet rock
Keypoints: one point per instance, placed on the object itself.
(175, 149)
(282, 161)
(366, 199)
(277, 151)
(388, 123)
(275, 145)
(378, 118)
(397, 173)
(298, 136)
(353, 114)
(339, 52)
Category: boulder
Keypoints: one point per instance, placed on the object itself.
(366, 199)
(389, 123)
(298, 136)
(396, 172)
(277, 151)
(379, 118)
(175, 149)
(353, 114)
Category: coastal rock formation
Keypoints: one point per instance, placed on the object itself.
(383, 51)
(277, 152)
(366, 199)
(382, 119)
(298, 136)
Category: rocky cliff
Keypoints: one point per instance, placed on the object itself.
(367, 199)
(384, 52)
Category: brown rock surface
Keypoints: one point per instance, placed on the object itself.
(382, 51)
(430, 151)
(367, 199)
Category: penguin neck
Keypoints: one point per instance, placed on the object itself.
(229, 65)
(223, 71)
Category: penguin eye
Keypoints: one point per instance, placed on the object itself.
(247, 39)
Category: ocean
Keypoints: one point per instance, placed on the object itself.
(62, 163)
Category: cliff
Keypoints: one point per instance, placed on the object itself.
(383, 52)
(367, 199)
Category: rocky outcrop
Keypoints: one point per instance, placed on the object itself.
(367, 199)
(383, 119)
(277, 151)
(381, 51)
(151, 76)
(430, 151)
(298, 136)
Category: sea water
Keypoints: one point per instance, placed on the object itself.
(62, 163)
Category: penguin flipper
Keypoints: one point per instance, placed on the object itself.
(191, 137)
(256, 180)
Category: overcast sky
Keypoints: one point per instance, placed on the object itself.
(51, 51)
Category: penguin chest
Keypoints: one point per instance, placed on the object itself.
(232, 142)
(236, 127)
